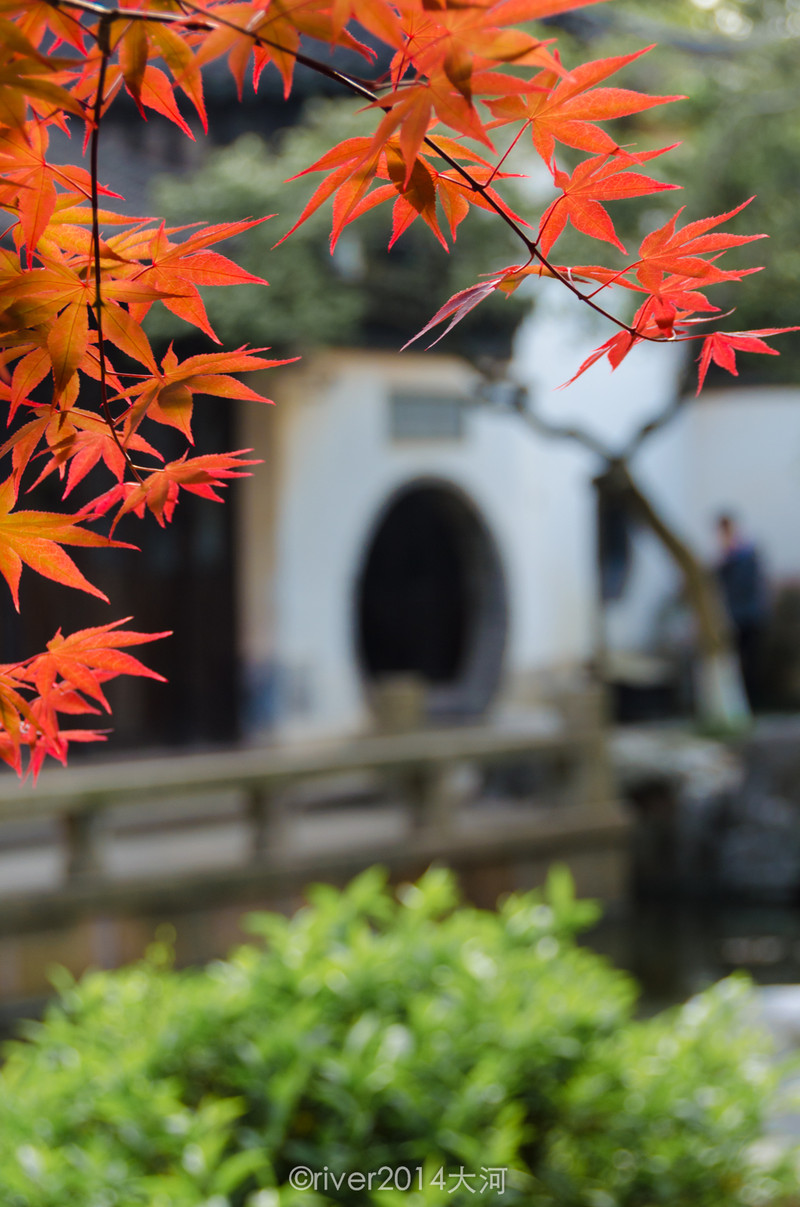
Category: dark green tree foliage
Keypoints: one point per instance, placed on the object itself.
(363, 294)
(369, 1032)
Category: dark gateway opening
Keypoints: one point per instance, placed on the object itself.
(431, 599)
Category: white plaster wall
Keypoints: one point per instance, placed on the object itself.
(662, 468)
(338, 468)
(540, 511)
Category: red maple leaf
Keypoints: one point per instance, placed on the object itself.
(721, 348)
(35, 538)
(567, 108)
(167, 396)
(77, 659)
(456, 308)
(682, 251)
(602, 178)
(177, 269)
(158, 491)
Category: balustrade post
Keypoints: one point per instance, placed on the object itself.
(585, 712)
(433, 800)
(267, 818)
(81, 835)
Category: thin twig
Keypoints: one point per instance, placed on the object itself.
(105, 51)
(105, 12)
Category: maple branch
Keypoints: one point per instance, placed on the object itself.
(361, 89)
(435, 85)
(103, 46)
(533, 248)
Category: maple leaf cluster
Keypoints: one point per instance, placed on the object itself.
(67, 678)
(77, 279)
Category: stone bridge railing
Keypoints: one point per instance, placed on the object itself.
(416, 777)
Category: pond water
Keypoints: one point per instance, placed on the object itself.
(677, 948)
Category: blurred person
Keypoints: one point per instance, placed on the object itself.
(741, 578)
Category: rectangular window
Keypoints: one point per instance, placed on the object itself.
(427, 416)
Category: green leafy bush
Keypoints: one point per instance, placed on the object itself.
(371, 1031)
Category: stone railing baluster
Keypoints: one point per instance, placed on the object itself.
(267, 819)
(81, 825)
(429, 789)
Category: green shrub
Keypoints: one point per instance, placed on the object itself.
(371, 1031)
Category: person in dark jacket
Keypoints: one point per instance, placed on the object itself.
(744, 590)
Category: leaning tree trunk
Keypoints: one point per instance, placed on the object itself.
(721, 699)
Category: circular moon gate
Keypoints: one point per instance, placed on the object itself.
(431, 599)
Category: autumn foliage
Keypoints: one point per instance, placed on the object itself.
(449, 82)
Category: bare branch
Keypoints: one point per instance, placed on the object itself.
(523, 407)
(661, 419)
